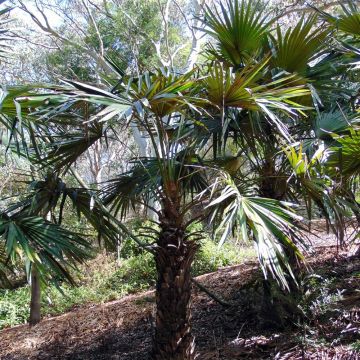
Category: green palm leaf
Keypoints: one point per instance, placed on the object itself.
(243, 90)
(45, 244)
(271, 223)
(349, 21)
(344, 159)
(239, 29)
(67, 146)
(294, 50)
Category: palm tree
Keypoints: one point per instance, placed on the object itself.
(242, 96)
(47, 250)
(176, 112)
(31, 226)
(306, 51)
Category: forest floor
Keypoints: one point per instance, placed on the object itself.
(327, 327)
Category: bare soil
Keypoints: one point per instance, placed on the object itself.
(123, 329)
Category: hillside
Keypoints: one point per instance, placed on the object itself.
(122, 329)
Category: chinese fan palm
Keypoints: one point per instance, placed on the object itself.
(172, 111)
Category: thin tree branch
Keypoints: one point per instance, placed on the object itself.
(165, 32)
(96, 28)
(49, 30)
(309, 9)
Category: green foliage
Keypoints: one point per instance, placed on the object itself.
(348, 21)
(242, 90)
(37, 241)
(14, 307)
(138, 227)
(211, 257)
(345, 158)
(319, 296)
(356, 345)
(135, 274)
(297, 47)
(69, 62)
(271, 222)
(103, 280)
(239, 28)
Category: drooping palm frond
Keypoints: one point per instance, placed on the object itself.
(297, 47)
(132, 188)
(21, 114)
(66, 146)
(271, 223)
(89, 205)
(239, 28)
(144, 182)
(12, 116)
(45, 244)
(50, 196)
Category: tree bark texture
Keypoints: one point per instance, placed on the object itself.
(173, 339)
(35, 307)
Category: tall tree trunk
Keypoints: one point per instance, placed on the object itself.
(173, 339)
(35, 314)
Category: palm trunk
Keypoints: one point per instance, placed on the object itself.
(35, 313)
(173, 339)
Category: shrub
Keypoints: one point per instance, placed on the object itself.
(103, 280)
(14, 306)
(135, 273)
(210, 257)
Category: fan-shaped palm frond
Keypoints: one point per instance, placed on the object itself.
(239, 28)
(144, 182)
(335, 121)
(349, 21)
(45, 244)
(133, 187)
(316, 184)
(163, 92)
(294, 50)
(89, 205)
(66, 146)
(50, 195)
(247, 90)
(243, 90)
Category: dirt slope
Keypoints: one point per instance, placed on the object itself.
(122, 329)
